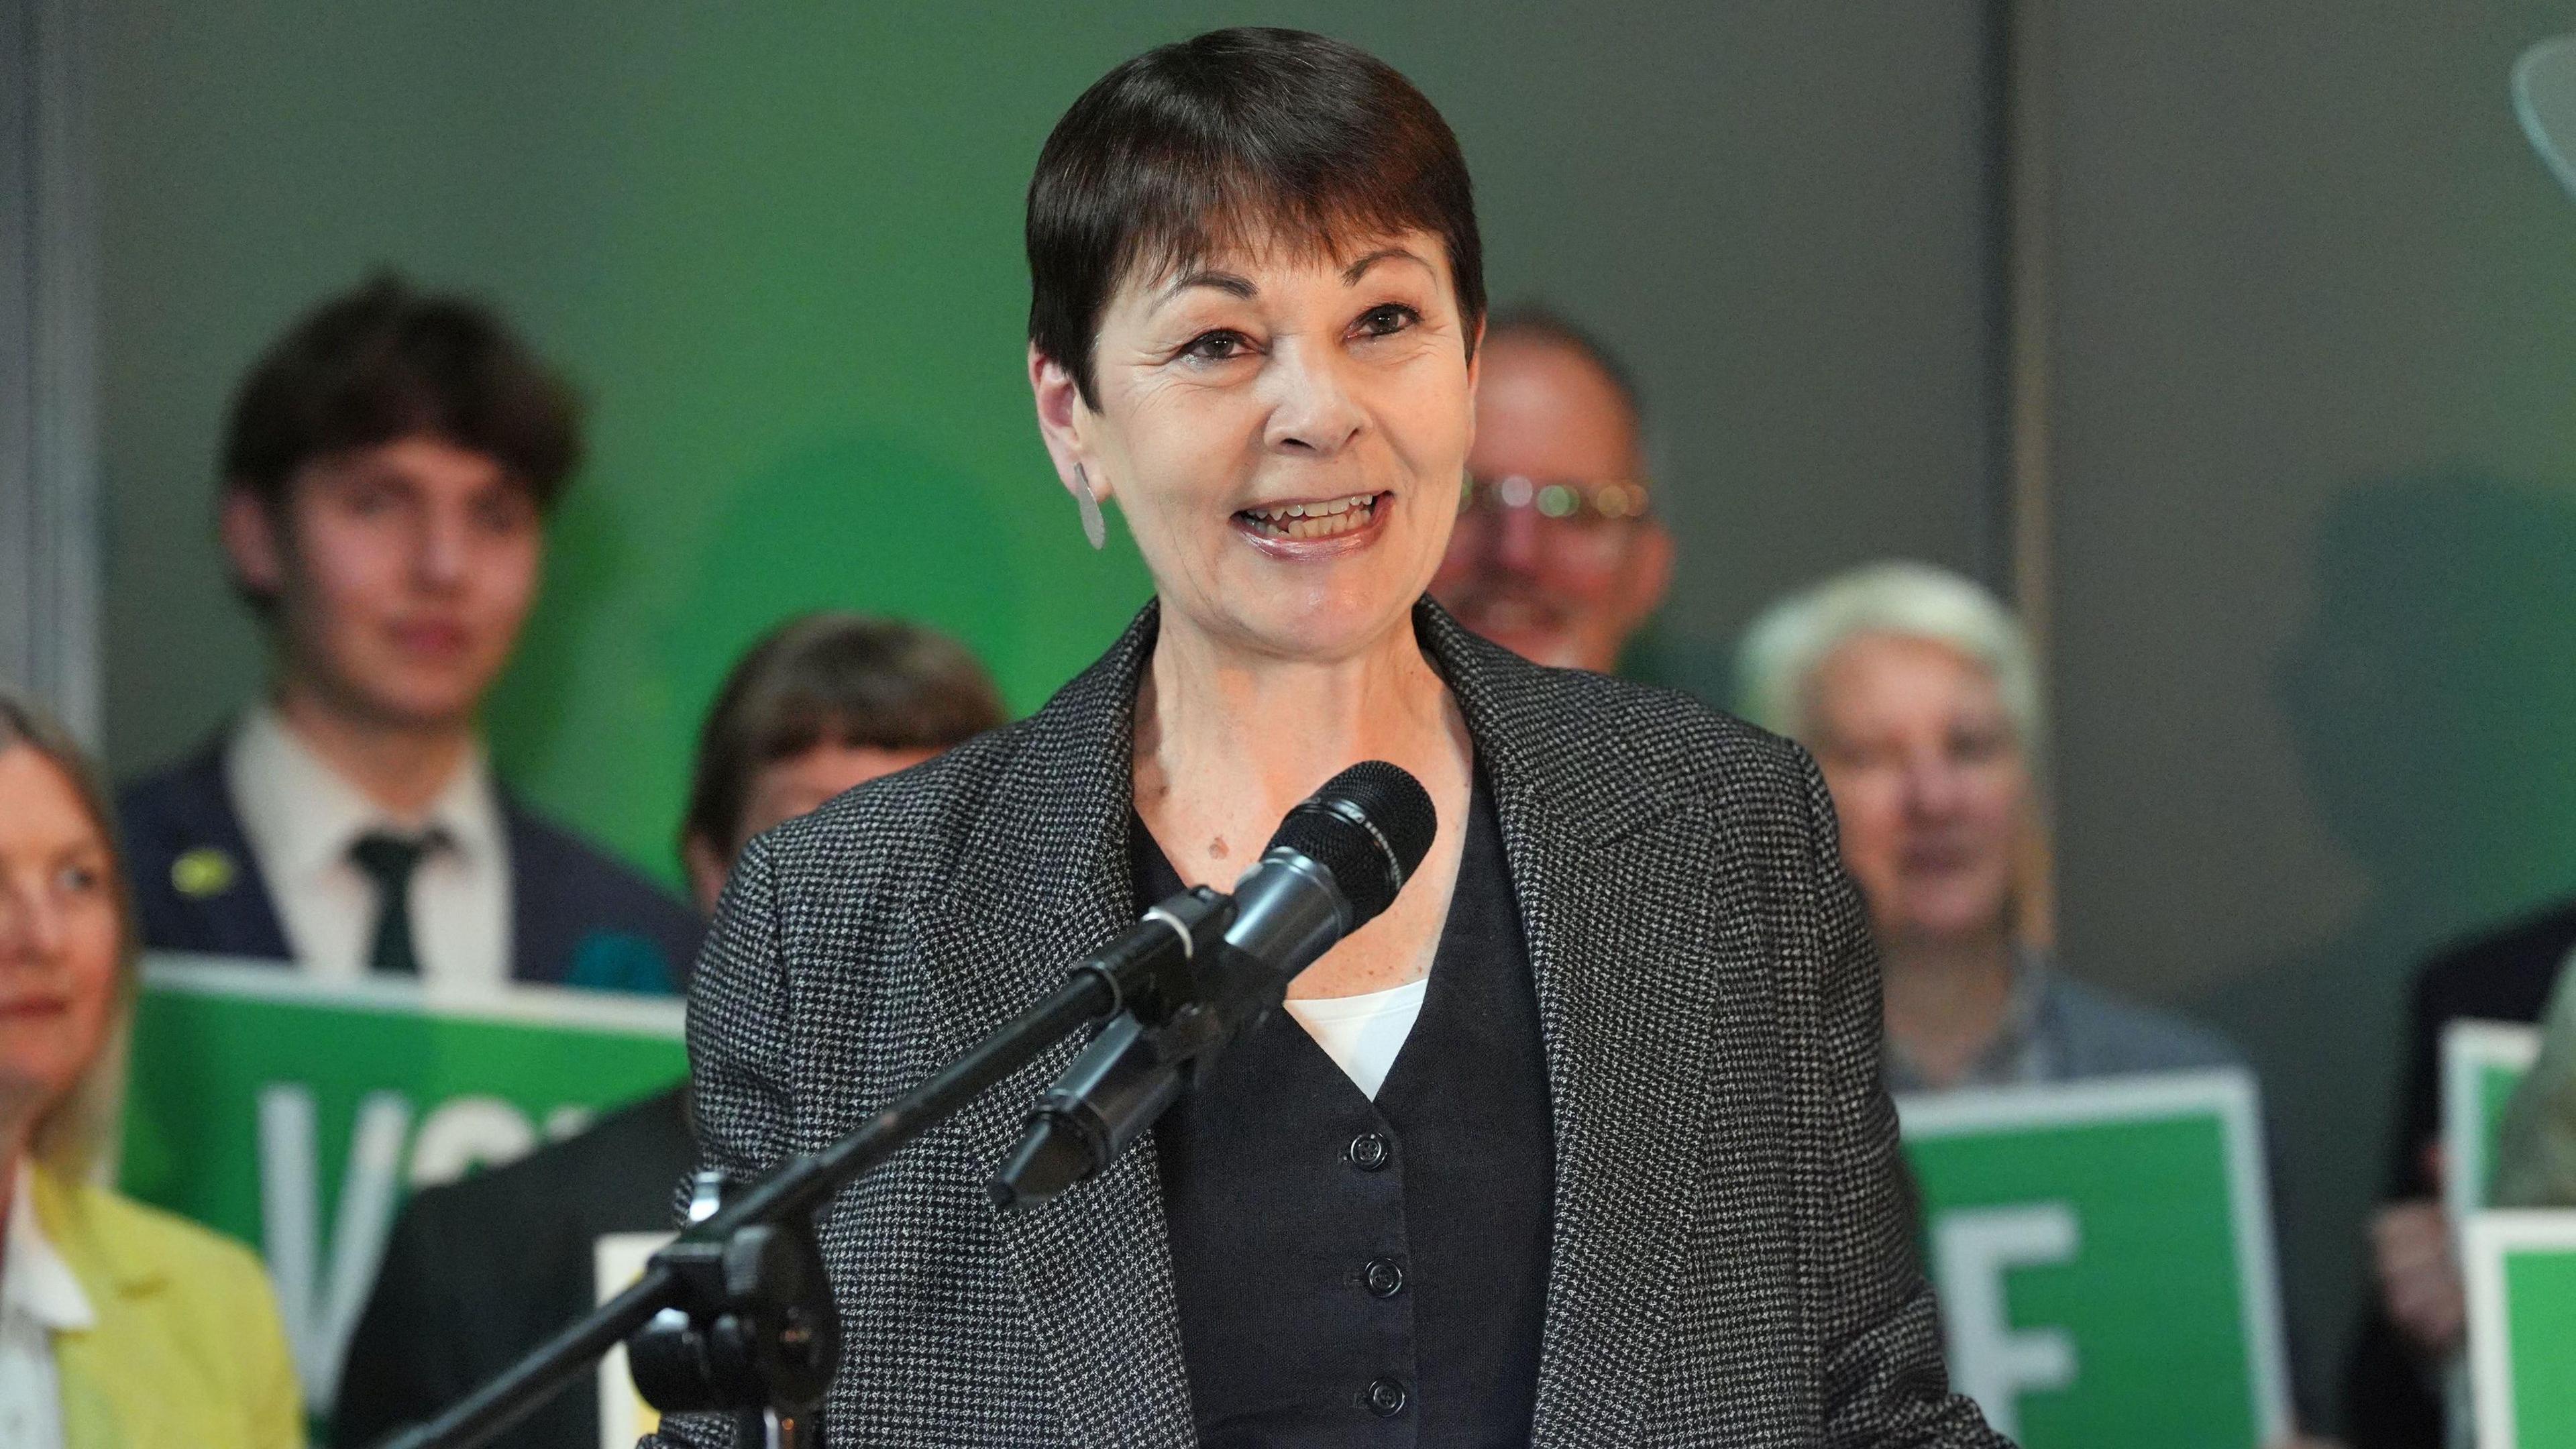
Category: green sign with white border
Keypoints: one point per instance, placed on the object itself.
(2103, 1255)
(2520, 1269)
(2482, 1063)
(268, 1105)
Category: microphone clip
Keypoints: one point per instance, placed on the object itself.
(1126, 1078)
(1151, 970)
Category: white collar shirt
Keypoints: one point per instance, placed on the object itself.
(39, 1298)
(301, 817)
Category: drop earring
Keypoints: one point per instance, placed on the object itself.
(1094, 527)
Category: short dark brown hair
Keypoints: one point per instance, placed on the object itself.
(386, 362)
(1234, 135)
(843, 679)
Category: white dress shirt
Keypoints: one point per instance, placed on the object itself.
(301, 817)
(39, 1298)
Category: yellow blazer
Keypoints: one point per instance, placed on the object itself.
(187, 1349)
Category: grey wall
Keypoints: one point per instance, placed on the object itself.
(49, 486)
(2315, 538)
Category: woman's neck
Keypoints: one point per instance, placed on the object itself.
(400, 769)
(1946, 999)
(1270, 730)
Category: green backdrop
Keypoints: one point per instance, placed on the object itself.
(780, 249)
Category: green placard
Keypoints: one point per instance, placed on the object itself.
(295, 1115)
(2521, 1276)
(2482, 1063)
(2103, 1256)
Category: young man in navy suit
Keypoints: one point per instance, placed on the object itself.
(386, 476)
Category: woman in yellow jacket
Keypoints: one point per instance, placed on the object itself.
(119, 1325)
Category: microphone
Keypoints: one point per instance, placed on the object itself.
(1337, 862)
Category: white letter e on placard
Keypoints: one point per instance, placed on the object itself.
(1991, 1361)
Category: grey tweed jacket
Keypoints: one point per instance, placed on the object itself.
(1731, 1262)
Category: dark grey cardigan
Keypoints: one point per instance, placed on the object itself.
(1730, 1261)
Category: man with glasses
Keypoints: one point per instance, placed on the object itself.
(1558, 555)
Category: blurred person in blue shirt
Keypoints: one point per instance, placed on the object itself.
(1917, 694)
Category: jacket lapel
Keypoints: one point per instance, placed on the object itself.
(1044, 880)
(102, 1372)
(234, 918)
(1621, 893)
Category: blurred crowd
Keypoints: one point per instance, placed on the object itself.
(387, 477)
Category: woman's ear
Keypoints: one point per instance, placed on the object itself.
(1475, 370)
(1063, 417)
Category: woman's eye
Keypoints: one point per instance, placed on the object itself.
(1387, 320)
(79, 880)
(1217, 346)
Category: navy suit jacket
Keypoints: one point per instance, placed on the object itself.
(577, 918)
(481, 1271)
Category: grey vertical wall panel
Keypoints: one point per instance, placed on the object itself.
(49, 481)
(2315, 537)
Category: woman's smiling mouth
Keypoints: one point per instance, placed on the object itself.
(1325, 519)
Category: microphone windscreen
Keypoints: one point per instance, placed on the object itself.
(2544, 99)
(1370, 825)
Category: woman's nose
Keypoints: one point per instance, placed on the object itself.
(1312, 410)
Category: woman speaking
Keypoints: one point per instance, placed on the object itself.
(1581, 1141)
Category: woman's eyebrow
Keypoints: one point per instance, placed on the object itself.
(1231, 283)
(1358, 269)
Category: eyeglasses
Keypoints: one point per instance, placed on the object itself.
(1584, 505)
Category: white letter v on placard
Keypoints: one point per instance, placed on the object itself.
(321, 1314)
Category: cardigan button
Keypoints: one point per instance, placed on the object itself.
(1384, 1277)
(1369, 1151)
(1384, 1397)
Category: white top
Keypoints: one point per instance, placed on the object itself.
(1363, 1033)
(39, 1298)
(301, 817)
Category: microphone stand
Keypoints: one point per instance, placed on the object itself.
(739, 1306)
